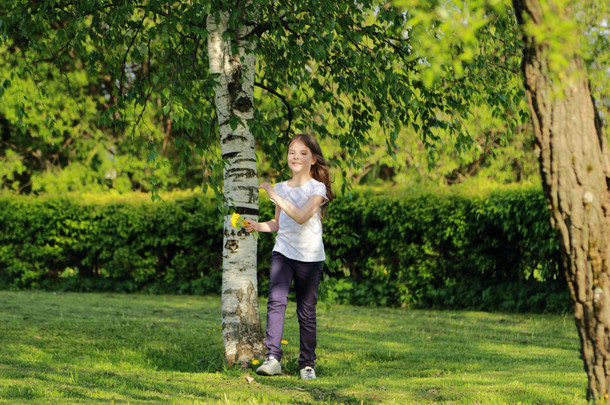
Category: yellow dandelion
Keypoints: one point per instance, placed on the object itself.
(238, 222)
(234, 219)
(255, 362)
(385, 271)
(284, 342)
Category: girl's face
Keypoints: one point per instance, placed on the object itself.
(300, 158)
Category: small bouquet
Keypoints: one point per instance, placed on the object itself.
(238, 222)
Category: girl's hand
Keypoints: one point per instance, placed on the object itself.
(250, 226)
(268, 188)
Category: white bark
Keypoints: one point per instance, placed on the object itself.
(242, 333)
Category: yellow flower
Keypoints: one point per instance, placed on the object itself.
(234, 218)
(255, 362)
(237, 222)
(284, 342)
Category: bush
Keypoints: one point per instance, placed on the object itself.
(494, 250)
(490, 251)
(129, 245)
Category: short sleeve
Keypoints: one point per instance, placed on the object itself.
(279, 189)
(319, 189)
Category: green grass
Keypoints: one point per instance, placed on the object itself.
(86, 348)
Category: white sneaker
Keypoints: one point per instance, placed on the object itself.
(308, 373)
(270, 367)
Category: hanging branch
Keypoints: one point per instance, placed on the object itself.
(284, 100)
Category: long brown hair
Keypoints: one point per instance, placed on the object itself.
(319, 171)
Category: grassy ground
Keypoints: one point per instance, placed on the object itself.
(86, 348)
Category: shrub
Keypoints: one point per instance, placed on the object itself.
(489, 250)
(129, 245)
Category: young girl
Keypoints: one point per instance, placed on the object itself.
(298, 253)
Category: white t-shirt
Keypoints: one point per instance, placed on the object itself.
(300, 242)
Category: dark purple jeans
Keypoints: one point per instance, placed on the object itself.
(306, 277)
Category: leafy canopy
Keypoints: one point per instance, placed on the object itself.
(334, 68)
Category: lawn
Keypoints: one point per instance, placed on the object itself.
(87, 348)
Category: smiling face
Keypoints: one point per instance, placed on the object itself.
(300, 158)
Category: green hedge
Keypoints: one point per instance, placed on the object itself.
(492, 251)
(129, 245)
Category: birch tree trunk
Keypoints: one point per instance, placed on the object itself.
(574, 164)
(241, 326)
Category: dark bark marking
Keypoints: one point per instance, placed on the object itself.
(246, 211)
(245, 173)
(242, 104)
(232, 137)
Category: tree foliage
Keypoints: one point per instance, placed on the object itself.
(94, 76)
(137, 74)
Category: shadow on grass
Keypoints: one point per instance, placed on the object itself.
(186, 359)
(82, 383)
(440, 356)
(365, 355)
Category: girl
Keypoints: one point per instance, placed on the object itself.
(298, 253)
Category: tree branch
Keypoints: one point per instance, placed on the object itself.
(284, 100)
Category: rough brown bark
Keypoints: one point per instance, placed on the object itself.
(574, 166)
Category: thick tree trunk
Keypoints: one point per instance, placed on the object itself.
(241, 326)
(574, 165)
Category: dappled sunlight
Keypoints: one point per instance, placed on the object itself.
(439, 352)
(131, 348)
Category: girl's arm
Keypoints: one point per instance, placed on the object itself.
(300, 215)
(269, 226)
